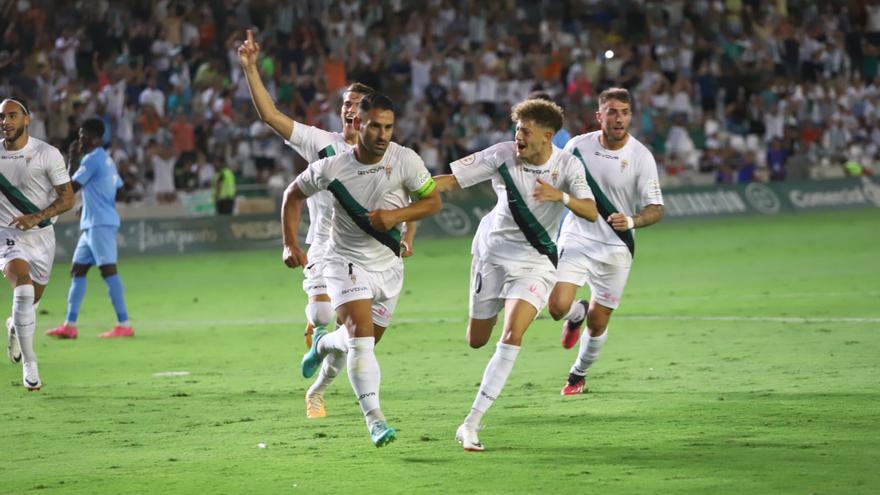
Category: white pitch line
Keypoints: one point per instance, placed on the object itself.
(760, 319)
(757, 295)
(463, 319)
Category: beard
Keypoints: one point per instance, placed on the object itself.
(16, 133)
(610, 137)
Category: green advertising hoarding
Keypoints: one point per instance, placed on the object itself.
(774, 197)
(462, 212)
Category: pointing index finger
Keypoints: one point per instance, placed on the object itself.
(250, 35)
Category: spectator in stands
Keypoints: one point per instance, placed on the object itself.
(762, 72)
(224, 189)
(776, 156)
(161, 161)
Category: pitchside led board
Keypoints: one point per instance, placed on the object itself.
(462, 212)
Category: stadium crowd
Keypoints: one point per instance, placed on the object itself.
(725, 90)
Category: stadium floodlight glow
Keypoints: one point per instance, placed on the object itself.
(609, 54)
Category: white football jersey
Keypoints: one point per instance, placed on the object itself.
(313, 144)
(28, 178)
(358, 189)
(519, 228)
(627, 178)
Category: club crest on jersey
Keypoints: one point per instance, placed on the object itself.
(388, 171)
(554, 175)
(623, 163)
(27, 160)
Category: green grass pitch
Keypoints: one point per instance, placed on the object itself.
(744, 359)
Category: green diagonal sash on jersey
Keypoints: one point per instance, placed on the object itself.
(19, 200)
(328, 151)
(605, 207)
(360, 215)
(525, 220)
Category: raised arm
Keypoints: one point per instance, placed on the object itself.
(248, 55)
(291, 209)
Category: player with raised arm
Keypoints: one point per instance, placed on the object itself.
(35, 189)
(514, 256)
(95, 174)
(623, 176)
(312, 144)
(372, 186)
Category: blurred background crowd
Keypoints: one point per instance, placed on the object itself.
(725, 91)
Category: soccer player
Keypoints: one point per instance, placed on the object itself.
(372, 186)
(623, 176)
(313, 144)
(95, 173)
(514, 256)
(35, 189)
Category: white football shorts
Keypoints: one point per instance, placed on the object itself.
(493, 284)
(313, 273)
(606, 281)
(37, 247)
(347, 281)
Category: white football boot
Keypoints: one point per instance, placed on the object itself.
(31, 376)
(468, 439)
(13, 349)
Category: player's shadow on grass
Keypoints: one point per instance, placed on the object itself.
(424, 460)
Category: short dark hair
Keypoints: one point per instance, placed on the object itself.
(20, 102)
(540, 95)
(619, 94)
(361, 88)
(376, 101)
(94, 127)
(542, 112)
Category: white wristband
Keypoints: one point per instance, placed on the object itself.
(565, 199)
(630, 223)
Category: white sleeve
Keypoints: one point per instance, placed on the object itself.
(648, 182)
(479, 166)
(55, 168)
(576, 182)
(307, 140)
(416, 178)
(313, 179)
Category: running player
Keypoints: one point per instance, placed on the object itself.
(312, 144)
(371, 186)
(514, 256)
(35, 189)
(623, 176)
(99, 181)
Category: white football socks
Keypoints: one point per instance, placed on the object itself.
(364, 375)
(24, 320)
(334, 342)
(588, 352)
(494, 378)
(334, 348)
(576, 312)
(330, 368)
(320, 313)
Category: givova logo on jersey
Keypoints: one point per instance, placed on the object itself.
(371, 171)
